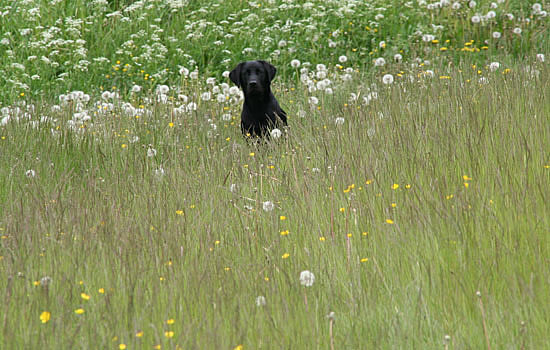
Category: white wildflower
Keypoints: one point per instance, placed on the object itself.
(387, 79)
(379, 62)
(276, 133)
(260, 301)
(268, 206)
(307, 278)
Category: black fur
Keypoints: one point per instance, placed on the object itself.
(261, 111)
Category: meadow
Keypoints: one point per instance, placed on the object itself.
(405, 207)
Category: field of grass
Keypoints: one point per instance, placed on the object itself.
(134, 215)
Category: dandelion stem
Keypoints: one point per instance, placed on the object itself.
(331, 322)
(484, 324)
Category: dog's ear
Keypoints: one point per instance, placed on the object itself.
(270, 69)
(235, 74)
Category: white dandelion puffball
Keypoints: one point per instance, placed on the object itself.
(307, 278)
(30, 173)
(397, 57)
(151, 152)
(45, 281)
(496, 35)
(387, 79)
(339, 121)
(517, 30)
(313, 100)
(268, 206)
(136, 88)
(540, 57)
(379, 62)
(260, 300)
(276, 133)
(295, 63)
(163, 89)
(476, 19)
(494, 66)
(342, 59)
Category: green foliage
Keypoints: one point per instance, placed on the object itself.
(403, 210)
(51, 47)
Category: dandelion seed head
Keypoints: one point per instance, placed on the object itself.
(260, 300)
(276, 133)
(387, 79)
(307, 278)
(268, 206)
(379, 62)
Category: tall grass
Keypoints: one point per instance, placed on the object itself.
(433, 191)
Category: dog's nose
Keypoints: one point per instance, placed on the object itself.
(253, 83)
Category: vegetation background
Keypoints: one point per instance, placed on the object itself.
(413, 182)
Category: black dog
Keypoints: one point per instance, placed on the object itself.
(261, 111)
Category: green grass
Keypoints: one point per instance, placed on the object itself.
(146, 214)
(77, 45)
(183, 246)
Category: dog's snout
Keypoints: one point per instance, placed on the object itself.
(253, 83)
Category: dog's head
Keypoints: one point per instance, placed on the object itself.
(254, 77)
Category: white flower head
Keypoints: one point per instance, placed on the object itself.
(151, 152)
(339, 121)
(517, 30)
(30, 173)
(45, 281)
(379, 62)
(540, 57)
(159, 173)
(342, 59)
(387, 79)
(268, 206)
(307, 278)
(136, 89)
(496, 35)
(476, 19)
(184, 71)
(260, 300)
(276, 133)
(313, 100)
(397, 57)
(225, 74)
(472, 4)
(494, 66)
(295, 63)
